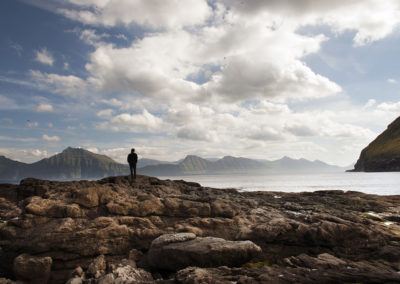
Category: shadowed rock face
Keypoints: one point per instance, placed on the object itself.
(346, 237)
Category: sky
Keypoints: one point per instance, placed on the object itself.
(259, 79)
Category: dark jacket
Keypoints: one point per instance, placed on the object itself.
(132, 158)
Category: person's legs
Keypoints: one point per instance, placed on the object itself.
(130, 167)
(134, 170)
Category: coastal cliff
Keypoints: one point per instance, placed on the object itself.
(382, 154)
(157, 231)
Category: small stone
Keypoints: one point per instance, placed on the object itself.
(135, 255)
(97, 265)
(77, 271)
(75, 280)
(107, 279)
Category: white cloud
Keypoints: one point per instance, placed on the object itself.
(44, 108)
(144, 122)
(17, 47)
(44, 56)
(113, 102)
(253, 47)
(105, 113)
(371, 19)
(6, 103)
(150, 13)
(26, 155)
(370, 103)
(197, 132)
(90, 37)
(300, 129)
(32, 124)
(19, 139)
(45, 137)
(159, 65)
(69, 85)
(389, 107)
(392, 81)
(225, 80)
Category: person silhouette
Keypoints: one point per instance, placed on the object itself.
(132, 161)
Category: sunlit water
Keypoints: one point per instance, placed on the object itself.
(372, 183)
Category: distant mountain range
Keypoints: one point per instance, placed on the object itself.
(193, 165)
(76, 163)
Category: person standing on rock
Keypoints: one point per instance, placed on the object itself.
(132, 161)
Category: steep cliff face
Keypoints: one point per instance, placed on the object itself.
(382, 154)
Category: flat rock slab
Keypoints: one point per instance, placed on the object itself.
(177, 251)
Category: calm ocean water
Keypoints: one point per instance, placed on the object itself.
(372, 183)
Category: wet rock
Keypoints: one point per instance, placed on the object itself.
(32, 269)
(185, 249)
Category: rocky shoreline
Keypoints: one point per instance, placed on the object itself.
(157, 231)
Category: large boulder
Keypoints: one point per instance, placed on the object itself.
(32, 269)
(176, 251)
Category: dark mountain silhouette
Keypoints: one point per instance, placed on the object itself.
(231, 163)
(144, 162)
(11, 170)
(76, 163)
(382, 154)
(72, 163)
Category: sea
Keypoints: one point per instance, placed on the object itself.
(387, 183)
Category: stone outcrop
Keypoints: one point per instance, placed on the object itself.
(176, 251)
(102, 231)
(32, 269)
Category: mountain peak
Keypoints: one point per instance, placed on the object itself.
(192, 157)
(73, 150)
(286, 158)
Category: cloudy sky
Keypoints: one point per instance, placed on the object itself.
(260, 79)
